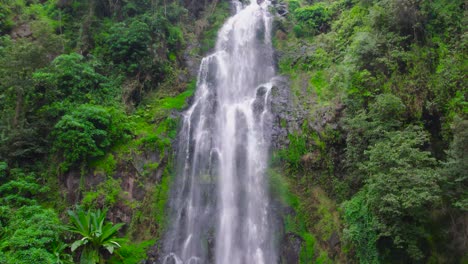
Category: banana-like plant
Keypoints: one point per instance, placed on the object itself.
(97, 234)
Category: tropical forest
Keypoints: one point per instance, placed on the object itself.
(233, 131)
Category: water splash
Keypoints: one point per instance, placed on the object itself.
(220, 209)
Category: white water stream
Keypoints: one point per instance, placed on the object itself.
(219, 203)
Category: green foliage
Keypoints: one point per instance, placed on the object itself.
(366, 128)
(106, 194)
(74, 79)
(5, 20)
(21, 189)
(87, 132)
(175, 38)
(454, 177)
(107, 164)
(214, 22)
(313, 18)
(361, 228)
(128, 44)
(401, 188)
(160, 203)
(400, 180)
(323, 258)
(293, 5)
(32, 231)
(307, 252)
(131, 253)
(27, 229)
(96, 235)
(313, 222)
(297, 149)
(20, 125)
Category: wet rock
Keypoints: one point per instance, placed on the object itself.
(334, 243)
(287, 117)
(192, 63)
(290, 248)
(281, 7)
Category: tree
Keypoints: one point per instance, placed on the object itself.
(361, 229)
(87, 132)
(128, 44)
(20, 189)
(20, 139)
(367, 127)
(313, 18)
(73, 79)
(30, 234)
(96, 233)
(454, 171)
(27, 229)
(402, 187)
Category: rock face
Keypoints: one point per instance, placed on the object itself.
(287, 118)
(135, 183)
(290, 248)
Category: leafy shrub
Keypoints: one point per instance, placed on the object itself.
(361, 228)
(128, 44)
(131, 253)
(293, 5)
(20, 189)
(5, 20)
(454, 172)
(365, 128)
(107, 194)
(296, 150)
(72, 78)
(313, 18)
(175, 12)
(87, 132)
(175, 38)
(31, 231)
(402, 187)
(97, 234)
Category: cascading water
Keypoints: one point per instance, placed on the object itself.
(219, 205)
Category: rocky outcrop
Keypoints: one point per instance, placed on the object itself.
(135, 184)
(287, 118)
(291, 245)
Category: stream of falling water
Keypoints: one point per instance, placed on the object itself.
(219, 202)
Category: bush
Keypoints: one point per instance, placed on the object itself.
(5, 20)
(128, 44)
(454, 172)
(72, 78)
(361, 228)
(31, 232)
(313, 18)
(87, 132)
(402, 188)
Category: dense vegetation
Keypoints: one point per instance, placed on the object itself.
(384, 87)
(87, 92)
(89, 95)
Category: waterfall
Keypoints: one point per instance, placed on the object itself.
(219, 202)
